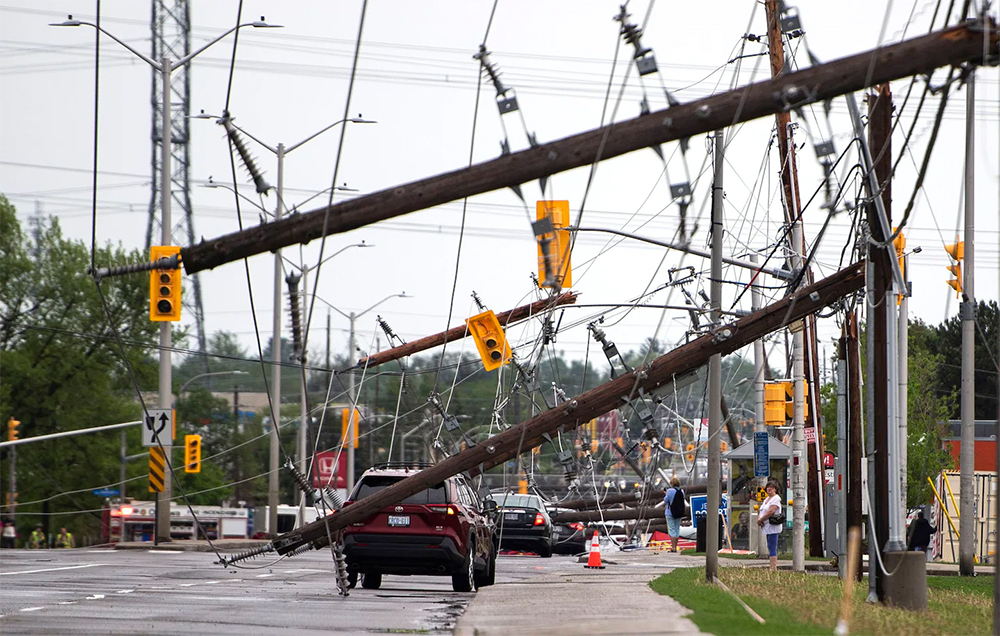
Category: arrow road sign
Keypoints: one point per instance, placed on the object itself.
(158, 423)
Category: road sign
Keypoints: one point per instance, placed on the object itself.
(158, 423)
(810, 432)
(105, 492)
(761, 455)
(157, 469)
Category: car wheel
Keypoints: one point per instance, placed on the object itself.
(545, 550)
(465, 579)
(352, 580)
(371, 580)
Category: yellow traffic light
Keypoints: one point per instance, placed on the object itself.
(774, 404)
(490, 340)
(12, 425)
(790, 400)
(348, 438)
(668, 443)
(192, 453)
(957, 253)
(164, 286)
(689, 456)
(559, 274)
(724, 447)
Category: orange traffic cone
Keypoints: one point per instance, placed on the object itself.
(594, 560)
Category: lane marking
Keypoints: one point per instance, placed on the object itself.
(95, 597)
(124, 591)
(68, 602)
(188, 584)
(264, 576)
(68, 567)
(31, 609)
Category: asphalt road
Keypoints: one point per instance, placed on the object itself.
(87, 591)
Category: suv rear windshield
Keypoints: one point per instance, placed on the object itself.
(373, 483)
(518, 501)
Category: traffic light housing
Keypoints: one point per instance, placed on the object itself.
(164, 286)
(559, 274)
(192, 453)
(957, 253)
(12, 426)
(490, 340)
(790, 400)
(349, 438)
(689, 456)
(774, 404)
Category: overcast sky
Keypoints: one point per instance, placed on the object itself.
(417, 78)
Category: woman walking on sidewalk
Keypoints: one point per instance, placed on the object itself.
(771, 521)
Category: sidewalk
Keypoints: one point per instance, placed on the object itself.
(615, 600)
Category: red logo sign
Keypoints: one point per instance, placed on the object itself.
(829, 459)
(326, 470)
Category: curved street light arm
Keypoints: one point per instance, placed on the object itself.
(352, 120)
(72, 23)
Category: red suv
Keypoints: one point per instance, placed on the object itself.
(443, 530)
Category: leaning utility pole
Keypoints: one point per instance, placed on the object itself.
(508, 444)
(715, 372)
(917, 56)
(967, 457)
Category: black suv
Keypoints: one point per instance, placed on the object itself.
(443, 530)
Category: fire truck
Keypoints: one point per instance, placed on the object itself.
(137, 520)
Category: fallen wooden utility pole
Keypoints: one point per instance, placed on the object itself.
(654, 496)
(586, 406)
(628, 514)
(455, 333)
(918, 56)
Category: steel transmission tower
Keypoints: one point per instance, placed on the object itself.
(170, 23)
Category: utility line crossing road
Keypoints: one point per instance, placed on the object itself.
(87, 591)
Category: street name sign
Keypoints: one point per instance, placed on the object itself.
(105, 492)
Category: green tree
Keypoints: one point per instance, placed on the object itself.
(946, 341)
(63, 368)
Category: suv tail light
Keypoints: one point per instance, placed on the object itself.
(444, 509)
(539, 519)
(576, 525)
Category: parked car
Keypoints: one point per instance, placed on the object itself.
(444, 530)
(568, 537)
(523, 523)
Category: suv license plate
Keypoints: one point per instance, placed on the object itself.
(511, 516)
(399, 520)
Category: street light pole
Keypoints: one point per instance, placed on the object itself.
(165, 67)
(350, 379)
(275, 446)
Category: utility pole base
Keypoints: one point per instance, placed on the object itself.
(907, 587)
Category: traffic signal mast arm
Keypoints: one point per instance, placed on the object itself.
(916, 56)
(586, 406)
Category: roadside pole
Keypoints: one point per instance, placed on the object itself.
(715, 372)
(967, 456)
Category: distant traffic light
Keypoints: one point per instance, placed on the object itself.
(192, 453)
(12, 426)
(485, 329)
(689, 456)
(164, 286)
(957, 253)
(555, 269)
(349, 438)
